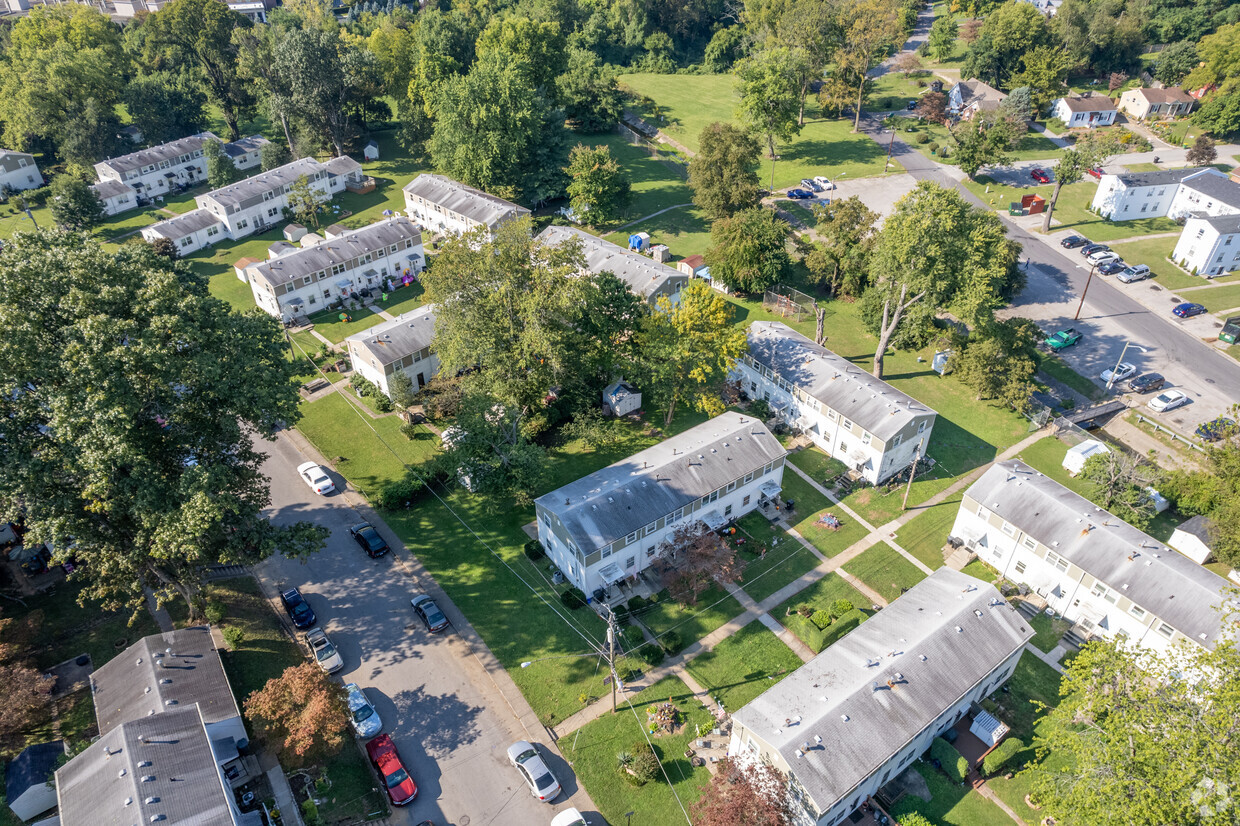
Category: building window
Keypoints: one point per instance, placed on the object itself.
(631, 562)
(1020, 567)
(605, 552)
(745, 502)
(847, 424)
(631, 537)
(727, 511)
(865, 438)
(731, 487)
(748, 478)
(896, 441)
(921, 428)
(676, 515)
(1137, 611)
(1008, 528)
(1030, 543)
(983, 513)
(1165, 630)
(1057, 561)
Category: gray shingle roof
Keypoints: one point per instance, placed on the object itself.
(978, 90)
(454, 196)
(1223, 224)
(105, 785)
(342, 165)
(291, 265)
(1198, 526)
(405, 335)
(146, 677)
(1214, 184)
(841, 681)
(110, 188)
(1172, 587)
(256, 185)
(1168, 94)
(1161, 176)
(33, 767)
(169, 151)
(617, 500)
(183, 225)
(246, 144)
(836, 382)
(643, 275)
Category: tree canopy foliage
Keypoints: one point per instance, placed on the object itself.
(724, 173)
(749, 250)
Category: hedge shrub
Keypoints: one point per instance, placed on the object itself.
(651, 654)
(922, 137)
(534, 550)
(645, 765)
(841, 607)
(395, 495)
(953, 763)
(671, 642)
(631, 637)
(573, 599)
(822, 619)
(635, 603)
(1002, 754)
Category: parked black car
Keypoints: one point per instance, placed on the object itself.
(1090, 249)
(1147, 383)
(1112, 267)
(1074, 241)
(299, 611)
(372, 543)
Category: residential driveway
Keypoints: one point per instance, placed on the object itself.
(450, 722)
(1018, 173)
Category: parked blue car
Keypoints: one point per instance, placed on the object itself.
(800, 194)
(1188, 310)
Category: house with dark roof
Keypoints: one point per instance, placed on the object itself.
(29, 785)
(402, 344)
(864, 422)
(1194, 539)
(152, 769)
(296, 281)
(157, 170)
(645, 277)
(609, 526)
(852, 719)
(968, 97)
(1165, 102)
(174, 669)
(1101, 574)
(441, 204)
(115, 196)
(1209, 245)
(19, 171)
(1085, 111)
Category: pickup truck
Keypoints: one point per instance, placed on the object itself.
(1063, 339)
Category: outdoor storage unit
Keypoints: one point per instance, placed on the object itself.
(1074, 460)
(1231, 330)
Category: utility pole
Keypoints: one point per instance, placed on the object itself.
(912, 474)
(29, 214)
(611, 654)
(1084, 292)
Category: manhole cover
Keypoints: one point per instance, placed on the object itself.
(464, 821)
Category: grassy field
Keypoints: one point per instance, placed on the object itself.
(744, 665)
(820, 595)
(592, 751)
(689, 622)
(1153, 252)
(949, 802)
(1047, 631)
(926, 533)
(66, 628)
(688, 103)
(784, 559)
(1216, 299)
(1058, 369)
(883, 569)
(658, 177)
(686, 231)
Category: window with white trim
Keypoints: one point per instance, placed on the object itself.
(731, 487)
(631, 537)
(1166, 630)
(1020, 567)
(1057, 561)
(1008, 528)
(1029, 542)
(1137, 611)
(748, 478)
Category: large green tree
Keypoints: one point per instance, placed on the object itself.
(1044, 70)
(1088, 152)
(496, 130)
(488, 450)
(1103, 35)
(165, 107)
(749, 250)
(687, 349)
(769, 83)
(809, 27)
(1125, 717)
(1119, 482)
(942, 38)
(199, 34)
(1176, 61)
(1213, 492)
(74, 205)
(590, 93)
(1011, 31)
(221, 171)
(936, 252)
(868, 29)
(599, 190)
(540, 44)
(842, 261)
(131, 401)
(724, 173)
(998, 361)
(326, 76)
(985, 141)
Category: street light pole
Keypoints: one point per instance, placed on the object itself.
(1120, 360)
(1084, 292)
(890, 144)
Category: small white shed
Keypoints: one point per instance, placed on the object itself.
(294, 232)
(621, 398)
(370, 152)
(1076, 457)
(987, 728)
(1192, 538)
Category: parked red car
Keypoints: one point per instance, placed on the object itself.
(1040, 176)
(400, 786)
(1096, 172)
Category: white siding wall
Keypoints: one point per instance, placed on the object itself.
(26, 177)
(640, 547)
(1125, 203)
(1188, 200)
(317, 294)
(1203, 248)
(1081, 119)
(119, 203)
(436, 219)
(832, 432)
(1066, 588)
(373, 371)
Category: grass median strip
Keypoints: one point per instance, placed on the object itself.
(885, 570)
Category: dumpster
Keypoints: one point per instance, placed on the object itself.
(1231, 330)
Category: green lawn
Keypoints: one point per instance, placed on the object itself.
(744, 665)
(885, 570)
(1047, 631)
(265, 650)
(980, 570)
(784, 561)
(949, 803)
(1153, 252)
(820, 595)
(818, 465)
(925, 535)
(825, 147)
(1217, 299)
(686, 231)
(592, 750)
(327, 323)
(338, 429)
(402, 300)
(658, 177)
(66, 629)
(690, 622)
(1072, 212)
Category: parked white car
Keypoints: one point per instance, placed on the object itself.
(316, 477)
(325, 654)
(570, 817)
(362, 714)
(824, 182)
(1167, 400)
(1102, 256)
(534, 771)
(1114, 374)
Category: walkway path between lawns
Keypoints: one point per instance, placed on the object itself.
(981, 788)
(651, 215)
(760, 610)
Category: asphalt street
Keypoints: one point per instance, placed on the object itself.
(450, 722)
(1109, 318)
